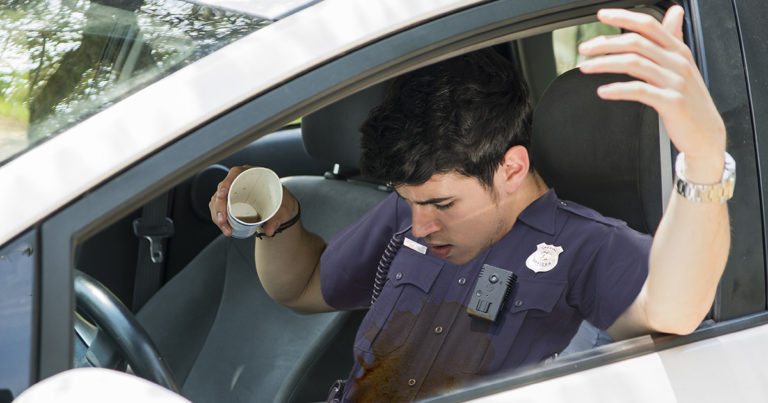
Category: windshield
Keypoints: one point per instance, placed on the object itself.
(64, 60)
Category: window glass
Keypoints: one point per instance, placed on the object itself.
(565, 42)
(63, 60)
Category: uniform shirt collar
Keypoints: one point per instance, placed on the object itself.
(541, 213)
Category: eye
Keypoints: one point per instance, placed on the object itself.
(443, 206)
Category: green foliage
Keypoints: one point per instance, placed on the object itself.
(64, 60)
(565, 42)
(13, 95)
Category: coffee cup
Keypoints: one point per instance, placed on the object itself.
(254, 197)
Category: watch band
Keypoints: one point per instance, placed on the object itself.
(717, 192)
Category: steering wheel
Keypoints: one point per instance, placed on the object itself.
(113, 318)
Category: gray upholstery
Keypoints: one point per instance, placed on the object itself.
(343, 119)
(602, 154)
(226, 340)
(222, 335)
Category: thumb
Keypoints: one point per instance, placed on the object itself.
(673, 22)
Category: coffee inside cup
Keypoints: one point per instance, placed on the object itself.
(252, 219)
(245, 213)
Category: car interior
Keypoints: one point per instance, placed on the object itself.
(202, 307)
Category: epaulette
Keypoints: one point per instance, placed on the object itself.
(588, 213)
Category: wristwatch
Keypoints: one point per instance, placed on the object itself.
(717, 192)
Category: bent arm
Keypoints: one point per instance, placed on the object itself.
(687, 259)
(690, 247)
(289, 267)
(287, 264)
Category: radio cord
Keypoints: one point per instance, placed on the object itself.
(382, 269)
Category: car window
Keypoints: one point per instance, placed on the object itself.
(62, 61)
(565, 42)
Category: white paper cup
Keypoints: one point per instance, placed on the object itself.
(254, 197)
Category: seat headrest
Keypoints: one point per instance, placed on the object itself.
(602, 154)
(333, 132)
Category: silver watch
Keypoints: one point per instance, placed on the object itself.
(717, 192)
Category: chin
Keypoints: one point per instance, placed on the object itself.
(458, 260)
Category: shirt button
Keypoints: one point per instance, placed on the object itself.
(439, 329)
(462, 281)
(563, 203)
(519, 302)
(398, 276)
(411, 382)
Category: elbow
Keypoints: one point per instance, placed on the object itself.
(290, 301)
(679, 329)
(279, 295)
(681, 324)
(301, 303)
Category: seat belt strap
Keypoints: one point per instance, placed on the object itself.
(153, 227)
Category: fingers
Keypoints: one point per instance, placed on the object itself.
(271, 225)
(635, 44)
(289, 207)
(645, 25)
(653, 53)
(655, 97)
(673, 22)
(218, 203)
(668, 79)
(218, 212)
(635, 66)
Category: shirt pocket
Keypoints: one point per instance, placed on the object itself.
(530, 300)
(391, 318)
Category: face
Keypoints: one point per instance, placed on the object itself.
(456, 215)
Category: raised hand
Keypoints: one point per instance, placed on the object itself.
(668, 81)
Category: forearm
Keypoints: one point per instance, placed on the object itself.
(687, 258)
(691, 245)
(288, 262)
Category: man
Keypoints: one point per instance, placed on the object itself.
(468, 207)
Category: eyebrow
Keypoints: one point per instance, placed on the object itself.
(434, 200)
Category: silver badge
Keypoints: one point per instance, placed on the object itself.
(544, 259)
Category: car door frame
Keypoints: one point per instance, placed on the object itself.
(474, 27)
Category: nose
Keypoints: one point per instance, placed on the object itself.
(424, 221)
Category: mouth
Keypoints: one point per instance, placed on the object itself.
(440, 251)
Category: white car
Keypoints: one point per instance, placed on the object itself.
(119, 117)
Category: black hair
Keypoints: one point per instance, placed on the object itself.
(461, 114)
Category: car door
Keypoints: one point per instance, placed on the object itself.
(425, 36)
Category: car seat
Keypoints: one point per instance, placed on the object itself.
(224, 338)
(607, 155)
(611, 156)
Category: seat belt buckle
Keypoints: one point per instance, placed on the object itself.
(154, 233)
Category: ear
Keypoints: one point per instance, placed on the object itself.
(514, 168)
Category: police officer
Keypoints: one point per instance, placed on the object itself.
(452, 138)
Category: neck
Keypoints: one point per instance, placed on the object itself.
(532, 188)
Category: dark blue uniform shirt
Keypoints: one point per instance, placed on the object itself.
(418, 340)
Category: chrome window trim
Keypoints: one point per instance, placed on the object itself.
(60, 170)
